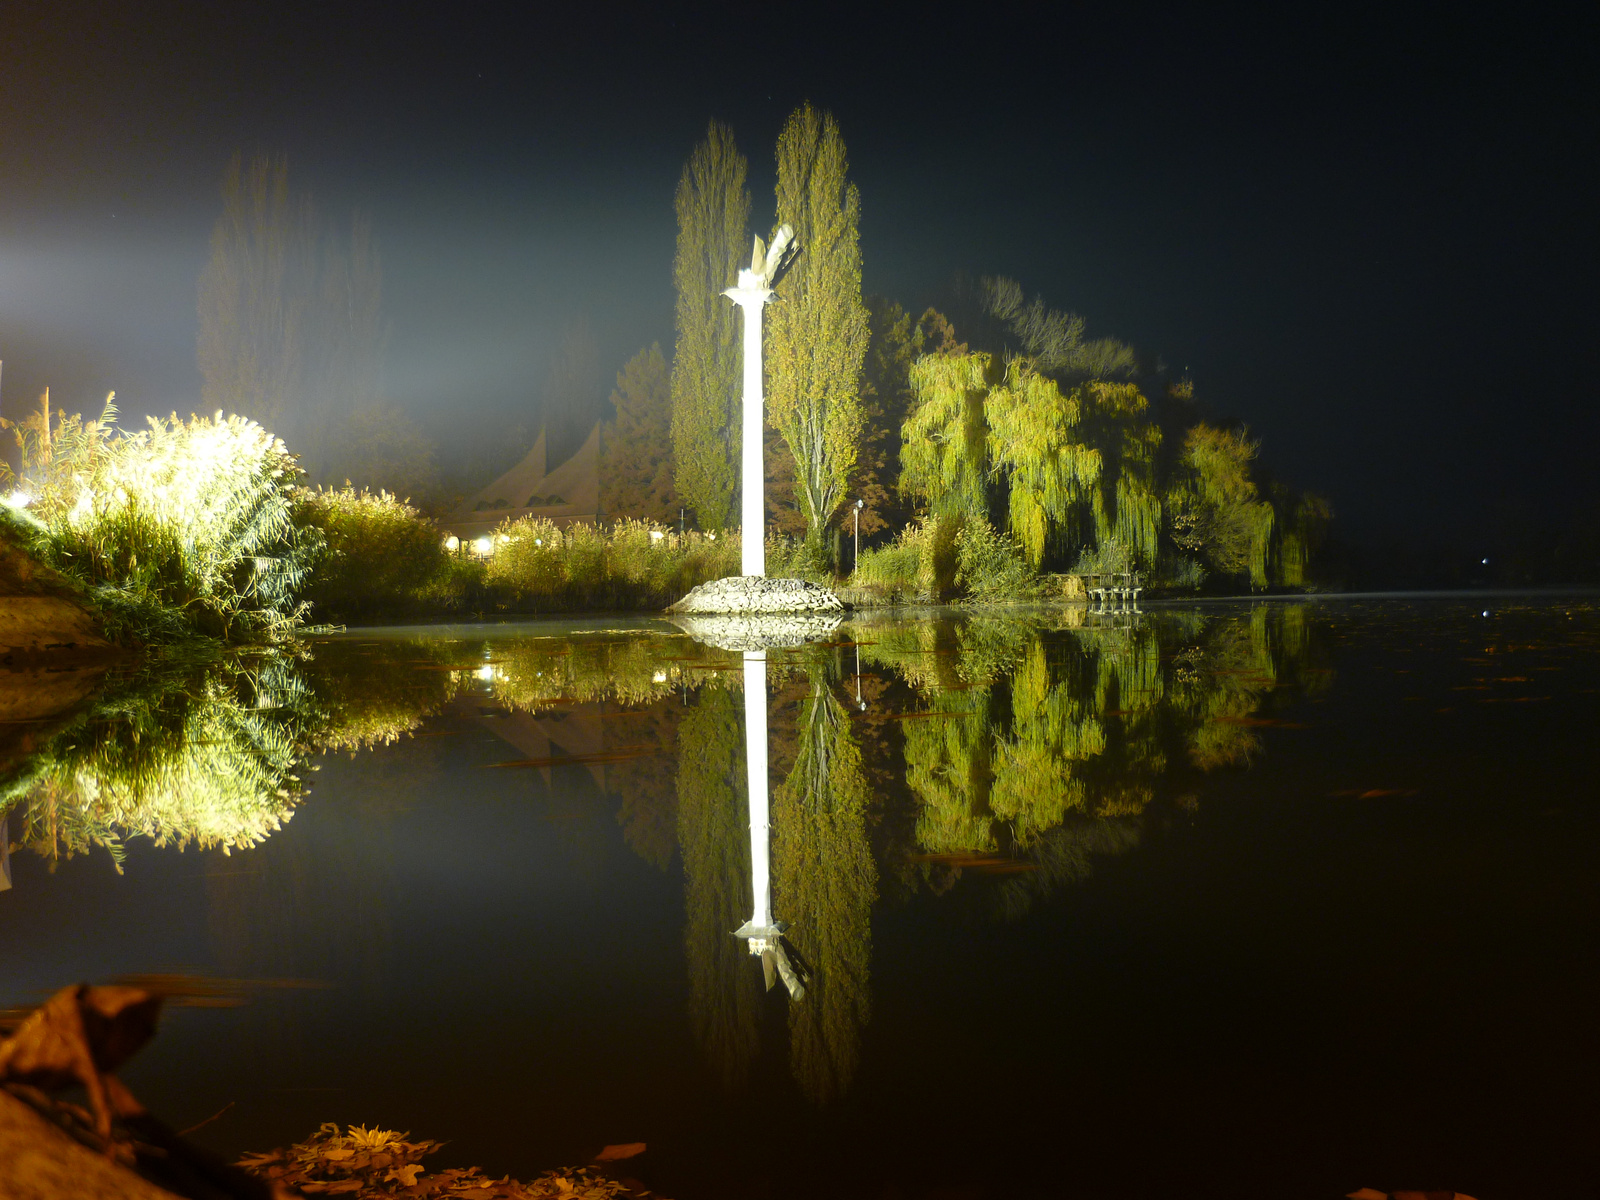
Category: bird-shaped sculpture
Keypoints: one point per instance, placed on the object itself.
(770, 262)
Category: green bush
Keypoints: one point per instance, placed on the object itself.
(990, 567)
(379, 554)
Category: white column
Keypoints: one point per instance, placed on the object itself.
(752, 295)
(753, 474)
(755, 743)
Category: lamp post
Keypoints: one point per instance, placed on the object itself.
(855, 553)
(752, 295)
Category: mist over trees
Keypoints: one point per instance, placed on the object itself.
(636, 461)
(292, 333)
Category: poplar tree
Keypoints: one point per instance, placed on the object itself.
(258, 293)
(636, 447)
(817, 332)
(713, 207)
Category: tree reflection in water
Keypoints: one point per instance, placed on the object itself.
(1003, 754)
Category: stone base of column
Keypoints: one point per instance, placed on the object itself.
(749, 594)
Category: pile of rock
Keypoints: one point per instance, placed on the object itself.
(750, 594)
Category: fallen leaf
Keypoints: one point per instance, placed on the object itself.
(407, 1175)
(626, 1149)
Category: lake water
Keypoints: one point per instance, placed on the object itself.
(1284, 898)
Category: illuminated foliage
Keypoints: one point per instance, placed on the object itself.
(825, 883)
(945, 448)
(181, 527)
(713, 208)
(1217, 509)
(817, 331)
(636, 475)
(1035, 443)
(713, 838)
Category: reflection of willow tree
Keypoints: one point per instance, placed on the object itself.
(825, 884)
(203, 756)
(949, 767)
(724, 994)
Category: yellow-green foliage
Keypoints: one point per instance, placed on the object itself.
(203, 756)
(713, 839)
(919, 565)
(1035, 443)
(816, 336)
(531, 673)
(537, 565)
(1217, 507)
(945, 447)
(713, 208)
(1036, 782)
(183, 524)
(824, 885)
(949, 769)
(379, 553)
(1127, 505)
(990, 567)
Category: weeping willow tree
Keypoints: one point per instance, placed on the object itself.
(713, 208)
(1214, 506)
(825, 882)
(713, 838)
(1037, 445)
(817, 332)
(1127, 503)
(944, 452)
(1036, 768)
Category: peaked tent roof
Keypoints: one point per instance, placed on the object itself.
(569, 493)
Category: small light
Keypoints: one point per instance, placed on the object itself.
(538, 541)
(656, 535)
(483, 546)
(712, 536)
(485, 673)
(19, 499)
(660, 677)
(452, 543)
(1486, 562)
(1486, 612)
(505, 539)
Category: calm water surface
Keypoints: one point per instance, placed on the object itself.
(1272, 899)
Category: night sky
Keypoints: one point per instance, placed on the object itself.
(1372, 236)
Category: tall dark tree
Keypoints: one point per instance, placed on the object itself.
(636, 445)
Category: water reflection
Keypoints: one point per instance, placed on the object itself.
(983, 761)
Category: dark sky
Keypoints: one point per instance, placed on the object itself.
(1370, 234)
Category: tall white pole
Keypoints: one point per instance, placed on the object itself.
(755, 726)
(752, 477)
(752, 295)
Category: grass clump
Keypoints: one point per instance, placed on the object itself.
(379, 555)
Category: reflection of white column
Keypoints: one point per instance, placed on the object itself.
(755, 741)
(752, 295)
(5, 853)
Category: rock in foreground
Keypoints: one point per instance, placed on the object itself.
(744, 594)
